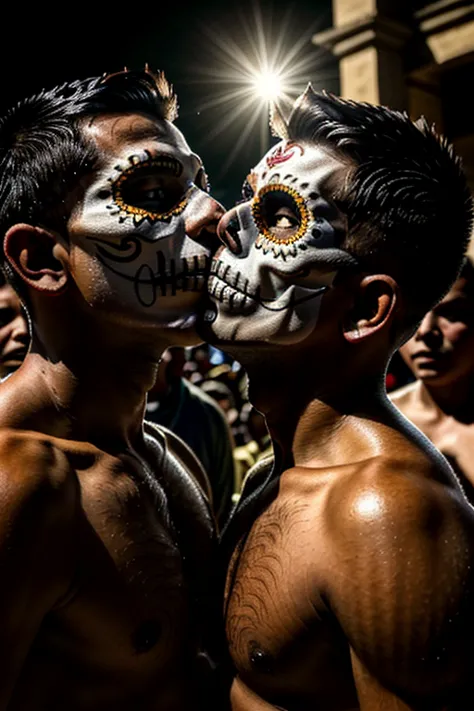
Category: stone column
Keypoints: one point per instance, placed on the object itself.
(368, 39)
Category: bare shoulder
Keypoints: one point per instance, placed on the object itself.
(180, 450)
(32, 463)
(398, 503)
(400, 572)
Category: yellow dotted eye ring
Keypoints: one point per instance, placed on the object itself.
(297, 203)
(140, 213)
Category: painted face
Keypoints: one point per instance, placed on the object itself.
(144, 232)
(282, 249)
(440, 352)
(14, 336)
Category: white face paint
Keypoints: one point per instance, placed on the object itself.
(138, 237)
(282, 249)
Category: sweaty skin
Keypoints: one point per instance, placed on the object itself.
(440, 401)
(107, 539)
(350, 581)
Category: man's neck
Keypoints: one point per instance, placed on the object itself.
(98, 397)
(453, 400)
(307, 417)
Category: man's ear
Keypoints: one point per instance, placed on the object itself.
(35, 255)
(373, 308)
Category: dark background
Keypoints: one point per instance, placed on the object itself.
(42, 46)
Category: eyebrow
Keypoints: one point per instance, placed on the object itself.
(459, 300)
(145, 130)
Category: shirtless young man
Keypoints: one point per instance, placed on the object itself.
(351, 579)
(106, 539)
(441, 356)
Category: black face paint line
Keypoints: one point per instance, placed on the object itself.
(240, 285)
(155, 169)
(165, 279)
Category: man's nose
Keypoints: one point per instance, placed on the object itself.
(429, 331)
(203, 218)
(19, 330)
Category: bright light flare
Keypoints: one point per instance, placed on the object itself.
(268, 86)
(258, 61)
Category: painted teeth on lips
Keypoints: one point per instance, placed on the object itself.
(226, 295)
(231, 287)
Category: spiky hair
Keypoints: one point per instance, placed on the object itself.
(408, 206)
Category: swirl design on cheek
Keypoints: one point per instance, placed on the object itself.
(160, 164)
(265, 213)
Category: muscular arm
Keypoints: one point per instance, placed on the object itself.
(36, 508)
(400, 583)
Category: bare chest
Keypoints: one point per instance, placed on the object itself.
(130, 603)
(283, 640)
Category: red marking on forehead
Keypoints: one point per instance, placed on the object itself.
(280, 155)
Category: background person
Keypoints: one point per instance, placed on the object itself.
(14, 337)
(185, 409)
(440, 354)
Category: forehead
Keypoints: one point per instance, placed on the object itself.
(8, 295)
(461, 289)
(308, 162)
(115, 133)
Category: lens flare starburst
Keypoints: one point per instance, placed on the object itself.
(253, 61)
(268, 85)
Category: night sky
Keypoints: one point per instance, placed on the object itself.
(195, 47)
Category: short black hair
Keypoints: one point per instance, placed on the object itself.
(467, 273)
(406, 198)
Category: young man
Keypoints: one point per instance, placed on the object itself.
(185, 409)
(441, 356)
(14, 337)
(106, 535)
(351, 576)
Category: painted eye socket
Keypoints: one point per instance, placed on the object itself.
(280, 214)
(152, 189)
(202, 181)
(247, 191)
(151, 192)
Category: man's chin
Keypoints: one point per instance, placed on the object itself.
(182, 330)
(434, 377)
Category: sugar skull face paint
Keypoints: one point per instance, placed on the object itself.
(282, 248)
(145, 225)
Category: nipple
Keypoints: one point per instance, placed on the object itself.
(261, 661)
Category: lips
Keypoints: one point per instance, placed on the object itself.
(232, 289)
(15, 356)
(427, 355)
